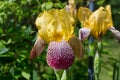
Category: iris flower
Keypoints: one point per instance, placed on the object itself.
(55, 28)
(96, 23)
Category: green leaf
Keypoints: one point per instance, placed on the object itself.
(100, 2)
(28, 31)
(35, 76)
(47, 5)
(1, 30)
(59, 5)
(64, 75)
(3, 50)
(26, 75)
(12, 71)
(57, 74)
(69, 74)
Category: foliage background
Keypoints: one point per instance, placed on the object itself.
(18, 34)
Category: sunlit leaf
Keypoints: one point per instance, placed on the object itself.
(47, 5)
(64, 75)
(3, 50)
(100, 2)
(26, 75)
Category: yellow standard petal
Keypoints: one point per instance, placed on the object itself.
(55, 25)
(83, 14)
(71, 8)
(100, 21)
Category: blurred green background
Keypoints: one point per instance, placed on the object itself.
(18, 34)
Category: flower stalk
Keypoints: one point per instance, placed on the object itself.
(91, 49)
(61, 74)
(97, 65)
(64, 75)
(91, 59)
(57, 74)
(97, 62)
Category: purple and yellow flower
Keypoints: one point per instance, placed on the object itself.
(55, 28)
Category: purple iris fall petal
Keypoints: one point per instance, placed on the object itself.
(60, 55)
(38, 48)
(84, 33)
(116, 33)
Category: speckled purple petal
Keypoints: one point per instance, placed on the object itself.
(60, 55)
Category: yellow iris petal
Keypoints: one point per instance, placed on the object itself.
(99, 21)
(83, 14)
(55, 25)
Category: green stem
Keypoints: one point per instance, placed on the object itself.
(91, 53)
(69, 74)
(64, 75)
(96, 76)
(91, 47)
(100, 46)
(97, 63)
(61, 74)
(97, 66)
(57, 75)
